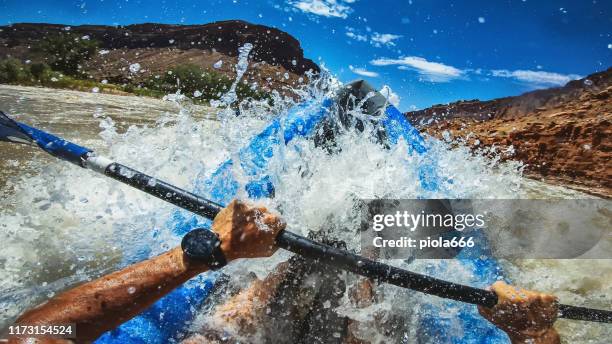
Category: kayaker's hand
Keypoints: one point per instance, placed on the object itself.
(246, 231)
(526, 316)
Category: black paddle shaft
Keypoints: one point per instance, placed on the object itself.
(384, 273)
(336, 257)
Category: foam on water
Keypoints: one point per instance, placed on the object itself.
(65, 225)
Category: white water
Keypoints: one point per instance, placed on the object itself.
(60, 224)
(241, 67)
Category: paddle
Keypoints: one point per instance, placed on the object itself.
(12, 131)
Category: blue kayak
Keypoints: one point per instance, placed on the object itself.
(168, 319)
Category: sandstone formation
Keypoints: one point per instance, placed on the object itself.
(561, 134)
(277, 59)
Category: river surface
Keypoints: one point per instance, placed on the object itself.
(60, 225)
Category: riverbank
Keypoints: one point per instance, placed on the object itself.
(153, 59)
(560, 134)
(67, 83)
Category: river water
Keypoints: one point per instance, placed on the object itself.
(60, 225)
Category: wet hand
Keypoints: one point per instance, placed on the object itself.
(246, 231)
(526, 316)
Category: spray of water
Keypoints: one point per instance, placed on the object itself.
(241, 68)
(56, 234)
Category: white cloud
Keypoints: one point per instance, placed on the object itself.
(357, 37)
(325, 8)
(387, 39)
(536, 78)
(391, 96)
(376, 39)
(430, 71)
(363, 72)
(439, 72)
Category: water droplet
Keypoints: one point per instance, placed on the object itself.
(125, 172)
(446, 135)
(131, 290)
(135, 67)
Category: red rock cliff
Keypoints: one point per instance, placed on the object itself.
(562, 134)
(277, 59)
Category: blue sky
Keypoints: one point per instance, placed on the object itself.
(428, 52)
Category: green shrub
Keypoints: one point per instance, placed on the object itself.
(13, 71)
(40, 70)
(66, 52)
(195, 82)
(190, 79)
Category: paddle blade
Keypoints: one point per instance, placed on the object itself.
(11, 132)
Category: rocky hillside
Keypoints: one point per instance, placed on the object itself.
(277, 59)
(561, 134)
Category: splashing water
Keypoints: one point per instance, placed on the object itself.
(56, 235)
(241, 67)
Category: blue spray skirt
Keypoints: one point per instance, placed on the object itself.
(168, 319)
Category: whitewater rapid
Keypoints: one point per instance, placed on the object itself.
(61, 225)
